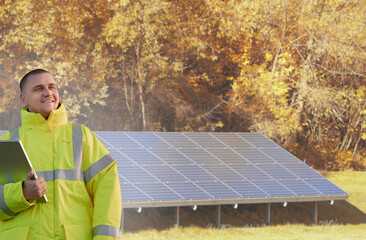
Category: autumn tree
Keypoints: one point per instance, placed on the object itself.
(304, 88)
(169, 64)
(61, 36)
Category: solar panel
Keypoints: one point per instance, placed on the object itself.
(159, 169)
(178, 169)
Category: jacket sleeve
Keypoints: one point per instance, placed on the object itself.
(12, 200)
(102, 183)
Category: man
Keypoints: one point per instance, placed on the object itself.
(76, 172)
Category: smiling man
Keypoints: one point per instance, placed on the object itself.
(39, 92)
(76, 172)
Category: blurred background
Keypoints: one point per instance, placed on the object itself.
(292, 70)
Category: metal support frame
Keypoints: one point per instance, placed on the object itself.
(315, 213)
(218, 216)
(176, 216)
(268, 213)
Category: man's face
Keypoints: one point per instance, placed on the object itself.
(40, 94)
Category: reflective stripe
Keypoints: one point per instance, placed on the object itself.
(77, 146)
(3, 205)
(64, 174)
(97, 167)
(14, 134)
(106, 230)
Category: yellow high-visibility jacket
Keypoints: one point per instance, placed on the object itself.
(83, 189)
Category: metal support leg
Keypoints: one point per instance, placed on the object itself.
(218, 216)
(122, 220)
(177, 216)
(268, 213)
(315, 213)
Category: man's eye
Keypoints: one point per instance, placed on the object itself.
(38, 89)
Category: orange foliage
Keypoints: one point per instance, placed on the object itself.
(293, 70)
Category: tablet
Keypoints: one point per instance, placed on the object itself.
(15, 164)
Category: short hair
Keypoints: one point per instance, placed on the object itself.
(31, 73)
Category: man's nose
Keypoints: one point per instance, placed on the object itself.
(47, 92)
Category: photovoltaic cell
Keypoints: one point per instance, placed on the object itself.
(255, 156)
(247, 189)
(223, 172)
(325, 186)
(189, 190)
(252, 172)
(232, 140)
(228, 156)
(200, 156)
(205, 140)
(274, 188)
(158, 191)
(177, 140)
(219, 190)
(195, 173)
(142, 156)
(121, 158)
(164, 173)
(170, 156)
(300, 187)
(276, 171)
(148, 140)
(135, 174)
(133, 194)
(118, 140)
(281, 155)
(303, 171)
(258, 140)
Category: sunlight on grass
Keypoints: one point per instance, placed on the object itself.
(334, 232)
(354, 183)
(351, 225)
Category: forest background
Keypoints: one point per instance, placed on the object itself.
(294, 70)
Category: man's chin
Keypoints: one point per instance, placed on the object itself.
(47, 111)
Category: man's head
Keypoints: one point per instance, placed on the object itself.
(39, 92)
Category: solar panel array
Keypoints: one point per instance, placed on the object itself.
(176, 169)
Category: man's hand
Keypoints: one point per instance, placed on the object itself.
(33, 189)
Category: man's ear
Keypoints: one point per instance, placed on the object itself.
(22, 97)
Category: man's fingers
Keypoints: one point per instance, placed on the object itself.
(40, 183)
(29, 175)
(41, 192)
(34, 188)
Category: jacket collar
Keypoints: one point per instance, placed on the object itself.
(56, 118)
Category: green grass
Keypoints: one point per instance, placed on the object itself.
(343, 220)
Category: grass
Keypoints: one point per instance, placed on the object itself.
(293, 232)
(343, 220)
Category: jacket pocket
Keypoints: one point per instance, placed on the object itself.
(77, 232)
(15, 233)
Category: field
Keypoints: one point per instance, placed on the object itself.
(343, 220)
